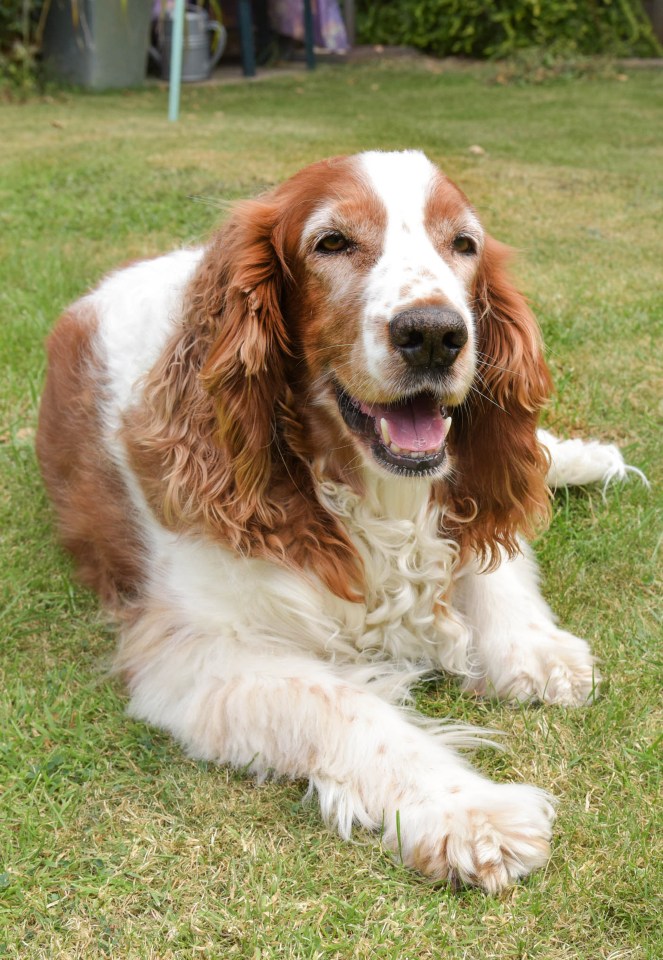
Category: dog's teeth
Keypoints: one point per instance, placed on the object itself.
(395, 448)
(447, 425)
(384, 430)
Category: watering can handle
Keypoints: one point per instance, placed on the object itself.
(220, 30)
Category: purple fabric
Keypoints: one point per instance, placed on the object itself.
(287, 17)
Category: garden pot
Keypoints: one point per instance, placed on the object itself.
(104, 46)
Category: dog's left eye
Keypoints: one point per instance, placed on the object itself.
(464, 244)
(333, 243)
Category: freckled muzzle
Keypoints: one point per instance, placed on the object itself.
(408, 437)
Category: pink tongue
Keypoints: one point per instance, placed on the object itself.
(417, 425)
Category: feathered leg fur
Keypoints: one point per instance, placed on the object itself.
(519, 651)
(366, 759)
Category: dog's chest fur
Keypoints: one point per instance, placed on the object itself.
(405, 617)
(408, 568)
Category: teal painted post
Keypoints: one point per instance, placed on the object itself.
(176, 61)
(246, 38)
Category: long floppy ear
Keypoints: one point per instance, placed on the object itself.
(260, 492)
(499, 487)
(210, 440)
(239, 292)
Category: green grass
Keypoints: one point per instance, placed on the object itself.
(116, 845)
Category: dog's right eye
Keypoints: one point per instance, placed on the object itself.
(464, 244)
(333, 243)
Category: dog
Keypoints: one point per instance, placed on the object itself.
(299, 465)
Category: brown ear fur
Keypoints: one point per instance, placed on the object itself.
(499, 487)
(209, 443)
(239, 291)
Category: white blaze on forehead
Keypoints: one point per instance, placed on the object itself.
(403, 182)
(410, 269)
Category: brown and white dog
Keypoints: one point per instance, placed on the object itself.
(296, 465)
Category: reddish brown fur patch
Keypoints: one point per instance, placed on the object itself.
(95, 516)
(499, 485)
(225, 437)
(446, 213)
(326, 327)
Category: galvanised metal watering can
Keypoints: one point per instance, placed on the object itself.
(197, 61)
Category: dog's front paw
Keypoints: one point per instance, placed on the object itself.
(551, 666)
(567, 671)
(487, 836)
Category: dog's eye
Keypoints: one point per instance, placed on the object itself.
(464, 244)
(333, 243)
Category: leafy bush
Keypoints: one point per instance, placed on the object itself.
(500, 28)
(21, 24)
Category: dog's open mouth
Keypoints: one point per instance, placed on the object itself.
(408, 437)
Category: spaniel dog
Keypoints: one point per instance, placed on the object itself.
(298, 465)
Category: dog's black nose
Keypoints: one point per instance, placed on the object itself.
(428, 336)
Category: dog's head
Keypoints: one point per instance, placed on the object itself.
(362, 316)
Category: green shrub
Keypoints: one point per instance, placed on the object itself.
(21, 25)
(500, 28)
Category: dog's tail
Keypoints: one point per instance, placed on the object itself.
(578, 462)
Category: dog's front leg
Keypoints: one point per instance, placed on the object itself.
(519, 651)
(367, 761)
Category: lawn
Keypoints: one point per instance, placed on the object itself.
(116, 845)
